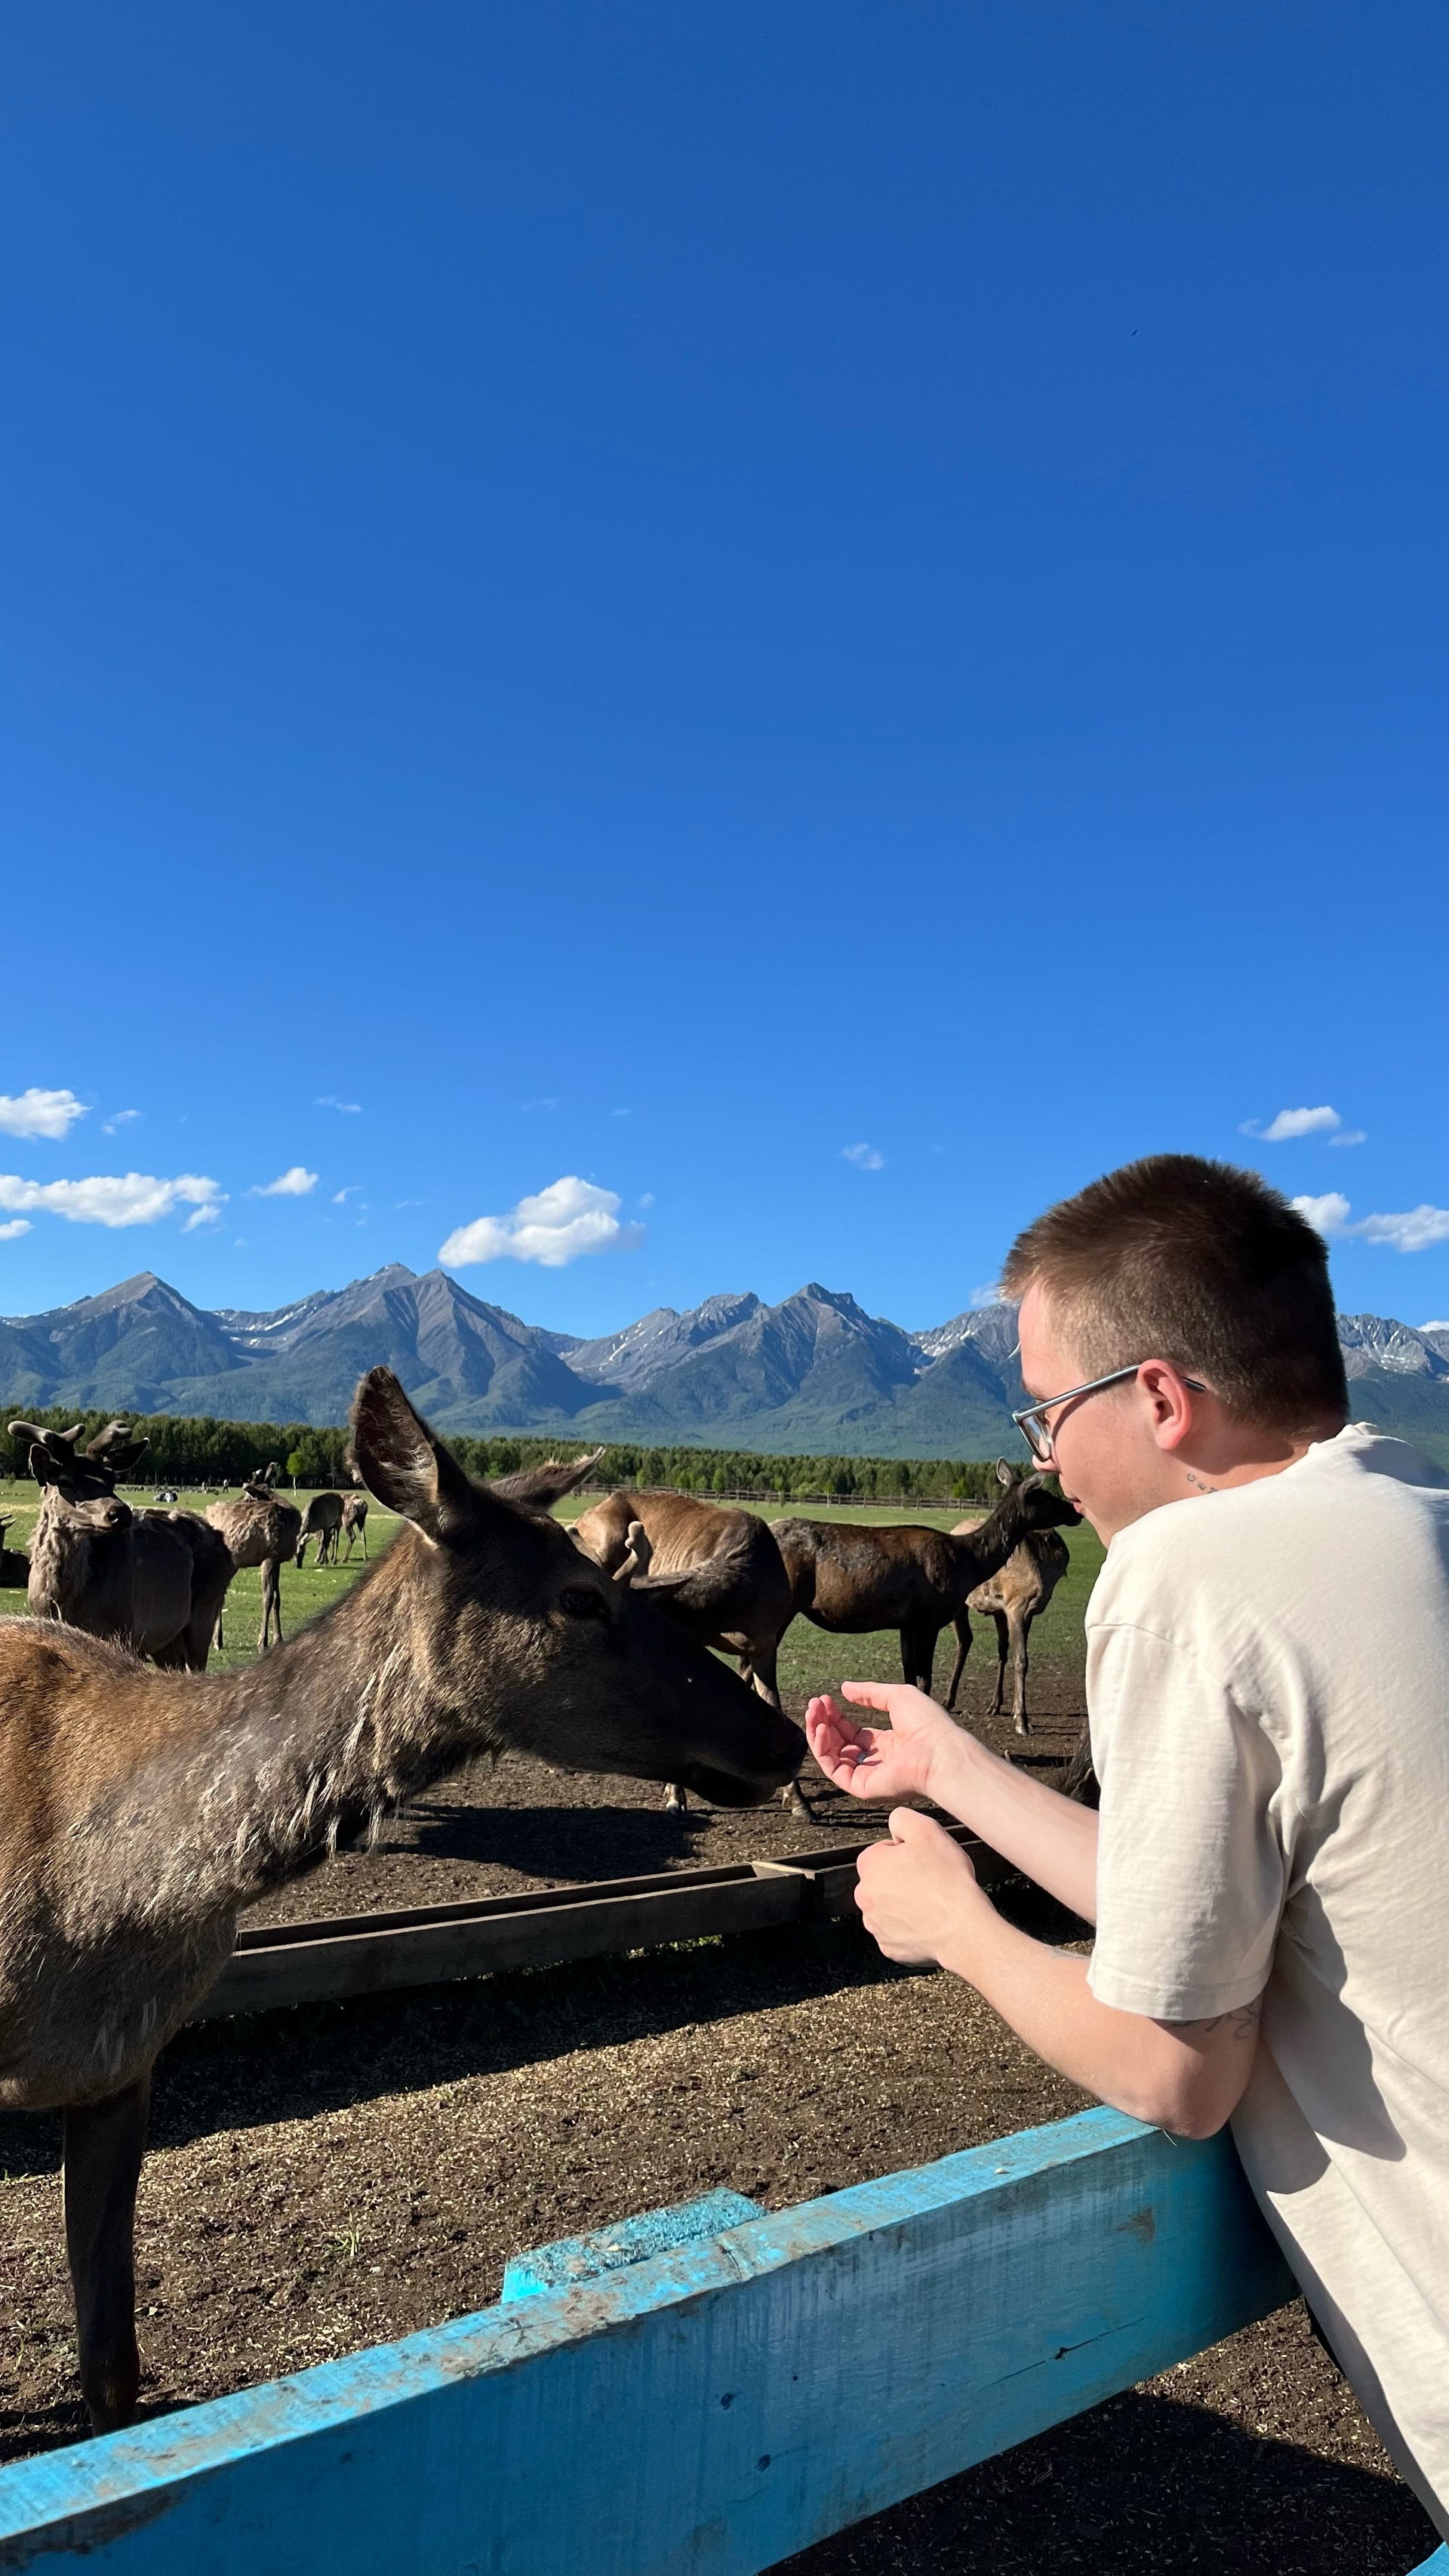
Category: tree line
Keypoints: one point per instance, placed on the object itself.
(187, 1449)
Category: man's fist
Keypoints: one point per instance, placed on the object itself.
(918, 1892)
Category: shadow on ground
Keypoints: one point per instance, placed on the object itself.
(1141, 2484)
(257, 2068)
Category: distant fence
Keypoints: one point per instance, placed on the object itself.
(714, 2406)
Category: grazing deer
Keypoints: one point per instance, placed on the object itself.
(354, 1523)
(1013, 1597)
(152, 1580)
(260, 1529)
(321, 1520)
(718, 1574)
(139, 1810)
(850, 1579)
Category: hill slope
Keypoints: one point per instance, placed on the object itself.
(815, 1373)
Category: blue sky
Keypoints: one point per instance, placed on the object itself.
(817, 623)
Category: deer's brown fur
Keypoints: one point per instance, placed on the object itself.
(1013, 1597)
(139, 1809)
(152, 1580)
(260, 1529)
(717, 1572)
(321, 1520)
(852, 1579)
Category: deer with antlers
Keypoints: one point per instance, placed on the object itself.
(153, 1580)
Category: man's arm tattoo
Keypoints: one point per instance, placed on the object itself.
(1244, 2019)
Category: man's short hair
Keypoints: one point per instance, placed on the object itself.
(1176, 1258)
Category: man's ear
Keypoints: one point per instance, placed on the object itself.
(404, 1465)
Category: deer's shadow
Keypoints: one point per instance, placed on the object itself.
(547, 1842)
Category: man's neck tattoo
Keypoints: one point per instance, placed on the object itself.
(1198, 1481)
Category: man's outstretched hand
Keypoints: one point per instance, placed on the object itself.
(868, 1762)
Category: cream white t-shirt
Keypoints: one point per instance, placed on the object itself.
(1268, 1688)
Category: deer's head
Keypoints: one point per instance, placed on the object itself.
(515, 1623)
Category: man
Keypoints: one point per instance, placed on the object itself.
(1267, 1658)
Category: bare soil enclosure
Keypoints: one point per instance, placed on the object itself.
(337, 2176)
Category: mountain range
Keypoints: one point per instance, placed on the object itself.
(813, 1374)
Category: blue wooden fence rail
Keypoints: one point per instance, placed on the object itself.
(713, 2407)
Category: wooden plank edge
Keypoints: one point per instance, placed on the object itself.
(444, 1944)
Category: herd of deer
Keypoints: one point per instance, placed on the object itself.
(143, 1803)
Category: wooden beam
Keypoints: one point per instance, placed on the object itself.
(274, 1965)
(717, 2406)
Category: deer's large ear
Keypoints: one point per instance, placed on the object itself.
(404, 1465)
(539, 1488)
(1006, 1474)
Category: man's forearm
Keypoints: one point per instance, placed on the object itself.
(1186, 2078)
(1051, 1838)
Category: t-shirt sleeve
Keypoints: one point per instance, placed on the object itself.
(1190, 1873)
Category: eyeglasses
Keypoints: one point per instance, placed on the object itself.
(1031, 1421)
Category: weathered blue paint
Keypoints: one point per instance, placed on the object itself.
(1438, 2565)
(571, 2259)
(709, 2409)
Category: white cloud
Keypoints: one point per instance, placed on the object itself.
(866, 1158)
(1436, 1324)
(1414, 1231)
(555, 1226)
(341, 1197)
(293, 1184)
(349, 1108)
(17, 1226)
(1411, 1231)
(1351, 1136)
(119, 1118)
(135, 1198)
(1330, 1214)
(1294, 1122)
(40, 1113)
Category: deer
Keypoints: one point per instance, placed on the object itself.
(139, 1809)
(354, 1523)
(260, 1529)
(1015, 1595)
(321, 1520)
(153, 1580)
(851, 1579)
(718, 1574)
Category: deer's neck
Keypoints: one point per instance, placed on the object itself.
(328, 1731)
(999, 1535)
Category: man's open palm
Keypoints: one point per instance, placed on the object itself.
(868, 1761)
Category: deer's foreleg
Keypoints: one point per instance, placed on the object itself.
(1021, 1630)
(918, 1655)
(760, 1669)
(271, 1602)
(103, 2146)
(1003, 1649)
(963, 1649)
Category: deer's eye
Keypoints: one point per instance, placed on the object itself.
(581, 1601)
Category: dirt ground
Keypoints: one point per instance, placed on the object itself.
(338, 2176)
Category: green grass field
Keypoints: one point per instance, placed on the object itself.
(809, 1660)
